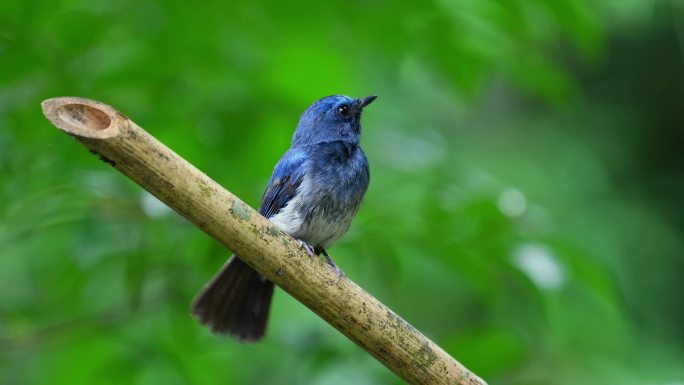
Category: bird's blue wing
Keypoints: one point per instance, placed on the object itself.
(286, 178)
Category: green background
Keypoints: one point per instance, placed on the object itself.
(525, 208)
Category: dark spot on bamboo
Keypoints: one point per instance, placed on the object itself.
(273, 231)
(204, 188)
(240, 211)
(426, 355)
(103, 158)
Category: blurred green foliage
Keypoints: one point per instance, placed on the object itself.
(525, 208)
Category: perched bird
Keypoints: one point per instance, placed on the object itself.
(314, 192)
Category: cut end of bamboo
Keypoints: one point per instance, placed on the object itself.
(82, 117)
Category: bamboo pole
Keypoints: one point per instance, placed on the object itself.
(340, 302)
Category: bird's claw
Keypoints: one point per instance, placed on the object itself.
(307, 247)
(338, 272)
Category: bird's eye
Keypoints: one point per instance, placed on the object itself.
(344, 111)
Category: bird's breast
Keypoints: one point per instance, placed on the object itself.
(330, 195)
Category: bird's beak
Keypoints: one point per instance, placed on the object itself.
(367, 100)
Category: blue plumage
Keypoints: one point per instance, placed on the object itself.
(314, 192)
(282, 187)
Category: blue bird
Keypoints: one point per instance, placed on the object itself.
(314, 192)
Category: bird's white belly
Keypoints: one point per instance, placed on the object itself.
(311, 224)
(289, 218)
(323, 233)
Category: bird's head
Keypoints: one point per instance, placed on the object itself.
(332, 118)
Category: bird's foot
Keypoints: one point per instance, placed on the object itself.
(330, 262)
(307, 247)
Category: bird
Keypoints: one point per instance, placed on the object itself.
(314, 192)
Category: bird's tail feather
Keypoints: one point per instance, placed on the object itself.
(236, 302)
